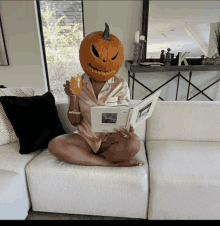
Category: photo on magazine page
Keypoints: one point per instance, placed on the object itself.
(143, 112)
(109, 117)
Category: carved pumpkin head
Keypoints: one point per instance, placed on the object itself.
(101, 55)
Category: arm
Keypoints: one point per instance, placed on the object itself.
(124, 96)
(75, 119)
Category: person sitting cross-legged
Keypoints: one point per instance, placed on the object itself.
(96, 149)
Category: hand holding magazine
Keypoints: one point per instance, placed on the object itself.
(108, 118)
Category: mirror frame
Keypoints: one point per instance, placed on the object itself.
(145, 16)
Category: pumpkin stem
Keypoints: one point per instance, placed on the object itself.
(106, 32)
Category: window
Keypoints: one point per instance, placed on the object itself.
(62, 31)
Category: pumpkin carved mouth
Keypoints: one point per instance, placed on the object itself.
(96, 69)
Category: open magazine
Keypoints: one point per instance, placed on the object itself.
(108, 118)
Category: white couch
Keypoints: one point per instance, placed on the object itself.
(14, 194)
(182, 180)
(49, 185)
(183, 149)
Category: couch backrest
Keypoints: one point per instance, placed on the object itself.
(63, 106)
(185, 120)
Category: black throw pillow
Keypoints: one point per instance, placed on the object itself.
(34, 119)
(2, 86)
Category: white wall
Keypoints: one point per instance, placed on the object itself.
(22, 43)
(123, 17)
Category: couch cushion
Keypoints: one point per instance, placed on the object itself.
(58, 186)
(12, 160)
(184, 179)
(14, 200)
(7, 178)
(35, 122)
(7, 133)
(185, 120)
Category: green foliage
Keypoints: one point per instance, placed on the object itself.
(62, 50)
(60, 47)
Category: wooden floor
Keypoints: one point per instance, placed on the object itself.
(32, 215)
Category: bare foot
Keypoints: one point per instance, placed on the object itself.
(127, 164)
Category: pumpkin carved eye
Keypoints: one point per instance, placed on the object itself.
(114, 57)
(95, 52)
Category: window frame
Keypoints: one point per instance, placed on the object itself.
(42, 38)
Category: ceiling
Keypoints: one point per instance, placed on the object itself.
(183, 26)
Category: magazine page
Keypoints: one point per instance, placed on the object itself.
(108, 118)
(143, 110)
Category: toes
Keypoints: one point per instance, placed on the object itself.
(136, 163)
(128, 164)
(132, 163)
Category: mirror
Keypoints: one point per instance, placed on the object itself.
(182, 26)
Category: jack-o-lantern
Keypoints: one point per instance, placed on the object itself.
(101, 54)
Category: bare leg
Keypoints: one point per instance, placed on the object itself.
(119, 151)
(108, 155)
(77, 151)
